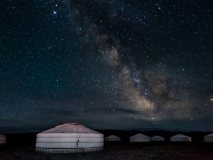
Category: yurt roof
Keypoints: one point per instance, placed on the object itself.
(179, 135)
(209, 135)
(139, 135)
(2, 135)
(112, 136)
(70, 128)
(157, 137)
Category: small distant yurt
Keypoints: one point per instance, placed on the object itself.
(68, 138)
(157, 139)
(2, 139)
(139, 138)
(180, 138)
(112, 138)
(208, 138)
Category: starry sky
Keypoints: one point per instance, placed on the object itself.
(107, 64)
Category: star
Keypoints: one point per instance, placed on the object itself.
(151, 60)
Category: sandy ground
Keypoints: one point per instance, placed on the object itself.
(117, 151)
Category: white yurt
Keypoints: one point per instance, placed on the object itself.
(208, 138)
(157, 139)
(112, 138)
(2, 139)
(180, 138)
(139, 138)
(68, 138)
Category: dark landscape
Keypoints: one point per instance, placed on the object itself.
(74, 72)
(22, 147)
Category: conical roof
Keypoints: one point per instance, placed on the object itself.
(179, 135)
(112, 136)
(70, 128)
(208, 138)
(139, 138)
(2, 136)
(157, 138)
(139, 135)
(209, 135)
(180, 138)
(2, 139)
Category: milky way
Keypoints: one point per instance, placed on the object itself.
(108, 64)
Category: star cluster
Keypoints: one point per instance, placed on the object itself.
(120, 64)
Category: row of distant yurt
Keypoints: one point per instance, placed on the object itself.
(143, 138)
(136, 138)
(184, 138)
(2, 139)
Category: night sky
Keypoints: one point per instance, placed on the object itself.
(107, 64)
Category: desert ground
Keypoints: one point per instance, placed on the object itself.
(116, 151)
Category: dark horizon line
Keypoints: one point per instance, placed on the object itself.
(30, 130)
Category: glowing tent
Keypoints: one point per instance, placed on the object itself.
(68, 138)
(180, 138)
(157, 139)
(139, 138)
(208, 138)
(2, 139)
(113, 138)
